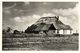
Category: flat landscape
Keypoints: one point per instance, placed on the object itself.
(24, 42)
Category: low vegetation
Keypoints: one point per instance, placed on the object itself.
(24, 41)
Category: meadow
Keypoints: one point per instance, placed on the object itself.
(39, 42)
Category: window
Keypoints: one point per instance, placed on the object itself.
(68, 31)
(60, 31)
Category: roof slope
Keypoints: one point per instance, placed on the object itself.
(39, 27)
(59, 25)
(46, 27)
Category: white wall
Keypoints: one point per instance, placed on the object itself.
(69, 32)
(56, 31)
(64, 32)
(60, 31)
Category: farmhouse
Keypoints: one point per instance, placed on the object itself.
(49, 25)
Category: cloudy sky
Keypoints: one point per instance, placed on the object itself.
(20, 15)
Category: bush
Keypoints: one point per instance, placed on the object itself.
(16, 32)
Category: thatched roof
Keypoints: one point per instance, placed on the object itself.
(39, 27)
(59, 25)
(55, 25)
(43, 27)
(49, 17)
(46, 27)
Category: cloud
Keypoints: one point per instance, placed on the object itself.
(69, 16)
(27, 19)
(26, 3)
(35, 16)
(44, 3)
(9, 7)
(67, 12)
(47, 14)
(23, 15)
(20, 19)
(6, 11)
(22, 22)
(31, 19)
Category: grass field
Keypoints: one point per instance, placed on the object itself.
(26, 42)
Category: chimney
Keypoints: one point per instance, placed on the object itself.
(57, 18)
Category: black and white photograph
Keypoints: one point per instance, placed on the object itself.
(40, 26)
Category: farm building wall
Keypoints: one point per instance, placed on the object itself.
(65, 32)
(60, 31)
(51, 32)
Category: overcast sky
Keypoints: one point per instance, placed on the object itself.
(20, 15)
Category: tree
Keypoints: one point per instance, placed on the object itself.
(16, 32)
(9, 29)
(3, 31)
